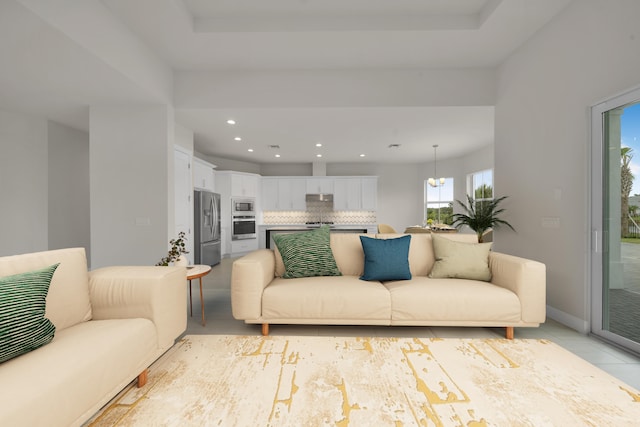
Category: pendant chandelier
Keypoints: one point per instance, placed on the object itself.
(435, 182)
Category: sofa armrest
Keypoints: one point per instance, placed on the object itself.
(155, 293)
(526, 278)
(249, 276)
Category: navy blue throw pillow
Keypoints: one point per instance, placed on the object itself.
(386, 259)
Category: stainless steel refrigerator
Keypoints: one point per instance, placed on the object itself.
(207, 246)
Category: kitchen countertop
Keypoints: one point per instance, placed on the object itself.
(268, 230)
(306, 226)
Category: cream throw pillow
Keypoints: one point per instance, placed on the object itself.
(460, 260)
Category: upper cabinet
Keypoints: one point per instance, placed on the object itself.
(355, 194)
(320, 185)
(350, 193)
(284, 194)
(244, 185)
(269, 194)
(203, 175)
(369, 193)
(347, 194)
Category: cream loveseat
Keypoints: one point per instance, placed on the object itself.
(514, 297)
(110, 325)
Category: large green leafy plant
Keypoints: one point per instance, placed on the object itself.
(480, 216)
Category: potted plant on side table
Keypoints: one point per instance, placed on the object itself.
(480, 216)
(178, 248)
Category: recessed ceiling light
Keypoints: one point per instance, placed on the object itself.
(362, 155)
(318, 145)
(231, 122)
(318, 155)
(250, 150)
(237, 138)
(277, 155)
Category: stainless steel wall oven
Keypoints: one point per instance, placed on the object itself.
(244, 227)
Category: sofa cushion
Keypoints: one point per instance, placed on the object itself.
(68, 299)
(348, 252)
(386, 259)
(23, 327)
(460, 260)
(343, 299)
(65, 382)
(421, 257)
(306, 254)
(423, 299)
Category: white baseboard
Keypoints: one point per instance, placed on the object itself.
(568, 320)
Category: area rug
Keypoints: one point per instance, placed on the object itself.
(217, 380)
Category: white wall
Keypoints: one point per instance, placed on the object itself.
(334, 88)
(23, 184)
(184, 138)
(68, 188)
(132, 206)
(287, 169)
(587, 53)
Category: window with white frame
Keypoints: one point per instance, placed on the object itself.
(480, 185)
(438, 202)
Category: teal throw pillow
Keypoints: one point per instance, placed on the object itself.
(386, 259)
(23, 326)
(307, 254)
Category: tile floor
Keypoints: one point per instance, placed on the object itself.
(219, 320)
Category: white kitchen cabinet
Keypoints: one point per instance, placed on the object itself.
(203, 175)
(244, 185)
(239, 247)
(355, 194)
(320, 185)
(347, 194)
(270, 194)
(369, 194)
(225, 242)
(291, 194)
(230, 185)
(283, 194)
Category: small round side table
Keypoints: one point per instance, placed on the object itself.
(197, 272)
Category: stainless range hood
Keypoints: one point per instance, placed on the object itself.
(327, 198)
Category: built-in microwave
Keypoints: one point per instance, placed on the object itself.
(243, 206)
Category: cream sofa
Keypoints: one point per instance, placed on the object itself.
(515, 296)
(111, 324)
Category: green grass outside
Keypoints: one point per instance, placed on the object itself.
(631, 240)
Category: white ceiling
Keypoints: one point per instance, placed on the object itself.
(52, 71)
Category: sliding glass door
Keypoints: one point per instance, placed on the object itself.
(615, 219)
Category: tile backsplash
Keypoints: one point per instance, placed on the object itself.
(319, 212)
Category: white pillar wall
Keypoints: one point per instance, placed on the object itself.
(131, 163)
(23, 183)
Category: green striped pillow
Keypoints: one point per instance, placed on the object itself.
(23, 326)
(307, 254)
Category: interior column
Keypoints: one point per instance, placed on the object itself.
(131, 164)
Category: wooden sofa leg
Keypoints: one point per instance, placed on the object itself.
(142, 378)
(265, 329)
(509, 330)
